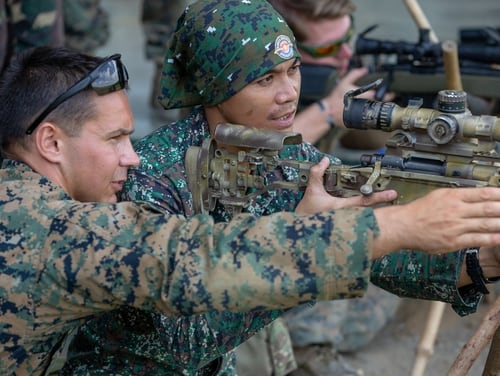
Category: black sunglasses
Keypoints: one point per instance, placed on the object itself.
(111, 75)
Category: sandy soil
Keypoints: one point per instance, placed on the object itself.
(393, 352)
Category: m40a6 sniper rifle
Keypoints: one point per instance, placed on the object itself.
(428, 149)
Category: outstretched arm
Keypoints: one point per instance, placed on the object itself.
(441, 217)
(444, 220)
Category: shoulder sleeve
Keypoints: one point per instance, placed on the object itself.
(135, 255)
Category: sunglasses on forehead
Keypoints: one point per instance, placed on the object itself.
(111, 75)
(330, 48)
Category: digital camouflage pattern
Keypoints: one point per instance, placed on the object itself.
(64, 262)
(161, 180)
(29, 23)
(190, 78)
(184, 349)
(179, 335)
(215, 50)
(135, 342)
(175, 197)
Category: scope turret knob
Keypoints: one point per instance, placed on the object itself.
(442, 129)
(452, 101)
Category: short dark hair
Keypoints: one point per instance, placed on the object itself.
(33, 79)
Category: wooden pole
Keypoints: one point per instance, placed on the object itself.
(451, 65)
(481, 337)
(420, 18)
(492, 366)
(426, 345)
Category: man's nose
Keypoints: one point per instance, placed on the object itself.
(130, 157)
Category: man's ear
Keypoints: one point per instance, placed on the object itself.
(49, 140)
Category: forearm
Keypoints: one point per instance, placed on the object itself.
(393, 233)
(414, 274)
(195, 266)
(443, 220)
(441, 277)
(319, 259)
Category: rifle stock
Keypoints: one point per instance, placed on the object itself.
(427, 149)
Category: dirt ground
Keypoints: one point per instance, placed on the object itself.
(393, 352)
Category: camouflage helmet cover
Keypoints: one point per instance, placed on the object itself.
(218, 47)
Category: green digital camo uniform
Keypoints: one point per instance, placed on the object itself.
(63, 262)
(274, 341)
(161, 179)
(29, 23)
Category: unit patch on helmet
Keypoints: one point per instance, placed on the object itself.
(283, 47)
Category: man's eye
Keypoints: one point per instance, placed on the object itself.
(265, 80)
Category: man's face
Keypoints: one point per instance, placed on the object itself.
(324, 32)
(95, 162)
(269, 102)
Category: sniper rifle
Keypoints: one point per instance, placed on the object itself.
(428, 149)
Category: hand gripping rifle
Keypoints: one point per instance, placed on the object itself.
(428, 149)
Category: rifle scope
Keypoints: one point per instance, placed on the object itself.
(424, 49)
(485, 35)
(451, 119)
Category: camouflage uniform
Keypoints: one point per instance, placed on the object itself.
(29, 23)
(162, 153)
(64, 262)
(161, 180)
(86, 25)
